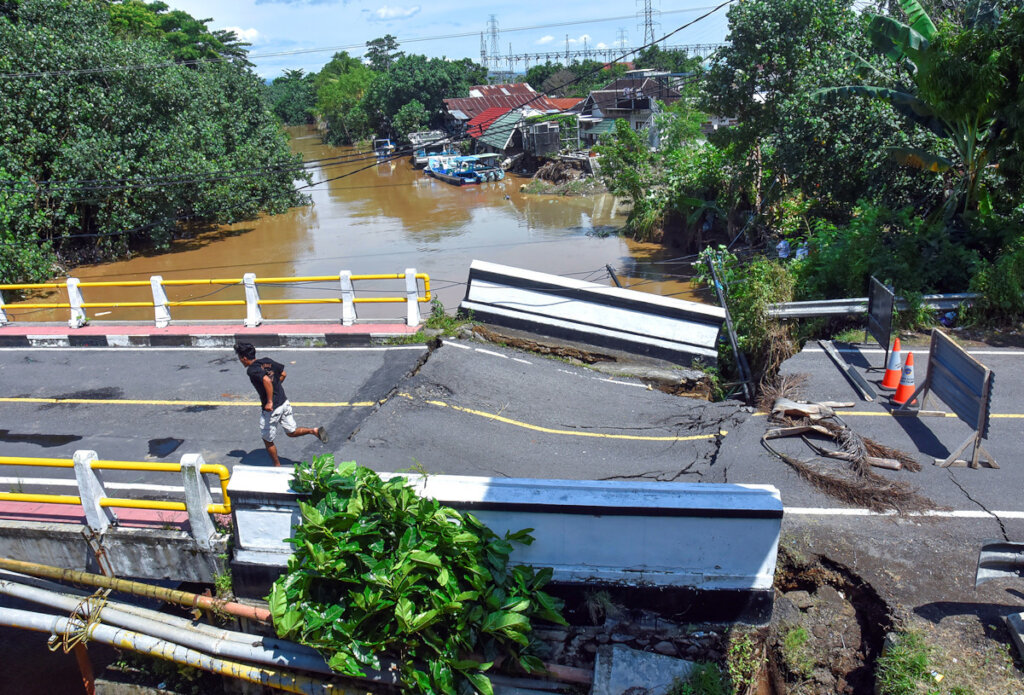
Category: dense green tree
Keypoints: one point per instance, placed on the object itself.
(382, 53)
(538, 74)
(187, 38)
(293, 97)
(340, 87)
(786, 143)
(674, 61)
(411, 117)
(94, 163)
(415, 77)
(951, 86)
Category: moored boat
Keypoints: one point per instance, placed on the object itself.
(384, 148)
(428, 144)
(459, 171)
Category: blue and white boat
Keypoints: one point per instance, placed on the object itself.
(384, 148)
(460, 171)
(428, 144)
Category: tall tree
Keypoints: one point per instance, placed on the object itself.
(951, 85)
(382, 53)
(95, 163)
(340, 87)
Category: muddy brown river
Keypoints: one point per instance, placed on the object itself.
(381, 221)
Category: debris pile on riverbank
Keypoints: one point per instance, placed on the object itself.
(564, 177)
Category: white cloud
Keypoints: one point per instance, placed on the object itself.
(544, 39)
(387, 12)
(582, 38)
(602, 45)
(247, 35)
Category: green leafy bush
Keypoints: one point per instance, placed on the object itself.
(1001, 286)
(378, 571)
(897, 247)
(749, 288)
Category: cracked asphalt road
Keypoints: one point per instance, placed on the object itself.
(471, 408)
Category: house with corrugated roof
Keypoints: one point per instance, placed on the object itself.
(461, 110)
(634, 98)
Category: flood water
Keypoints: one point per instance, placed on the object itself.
(383, 220)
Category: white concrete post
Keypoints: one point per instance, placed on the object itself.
(197, 501)
(75, 299)
(90, 489)
(253, 316)
(162, 314)
(348, 297)
(412, 296)
(3, 314)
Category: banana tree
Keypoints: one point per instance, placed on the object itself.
(951, 92)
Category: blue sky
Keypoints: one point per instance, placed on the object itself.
(530, 26)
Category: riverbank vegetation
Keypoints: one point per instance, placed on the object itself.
(882, 144)
(122, 126)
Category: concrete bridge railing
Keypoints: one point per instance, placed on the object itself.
(717, 541)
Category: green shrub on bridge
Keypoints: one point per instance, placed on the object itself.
(379, 571)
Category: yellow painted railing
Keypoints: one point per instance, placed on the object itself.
(151, 466)
(217, 281)
(77, 304)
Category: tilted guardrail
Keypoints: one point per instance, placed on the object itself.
(859, 305)
(161, 305)
(97, 504)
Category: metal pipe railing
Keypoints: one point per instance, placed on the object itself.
(161, 304)
(221, 471)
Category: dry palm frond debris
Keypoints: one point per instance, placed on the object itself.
(851, 481)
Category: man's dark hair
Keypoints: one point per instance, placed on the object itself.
(245, 350)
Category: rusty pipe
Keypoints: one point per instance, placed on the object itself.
(182, 598)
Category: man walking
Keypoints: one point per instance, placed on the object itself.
(267, 377)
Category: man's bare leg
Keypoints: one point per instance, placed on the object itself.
(319, 432)
(272, 450)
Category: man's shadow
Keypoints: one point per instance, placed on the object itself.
(259, 457)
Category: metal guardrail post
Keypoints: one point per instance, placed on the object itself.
(91, 492)
(412, 297)
(348, 296)
(197, 501)
(3, 314)
(162, 315)
(75, 299)
(253, 316)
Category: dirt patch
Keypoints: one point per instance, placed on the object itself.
(827, 629)
(541, 348)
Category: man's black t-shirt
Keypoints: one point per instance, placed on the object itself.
(266, 366)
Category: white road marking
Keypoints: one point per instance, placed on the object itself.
(918, 350)
(458, 345)
(488, 352)
(954, 514)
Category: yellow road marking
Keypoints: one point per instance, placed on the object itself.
(573, 433)
(122, 401)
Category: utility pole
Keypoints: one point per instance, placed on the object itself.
(566, 50)
(623, 38)
(483, 50)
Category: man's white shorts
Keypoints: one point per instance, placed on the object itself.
(281, 416)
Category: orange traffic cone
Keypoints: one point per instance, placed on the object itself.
(906, 387)
(893, 370)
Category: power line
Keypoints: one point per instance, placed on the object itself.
(323, 49)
